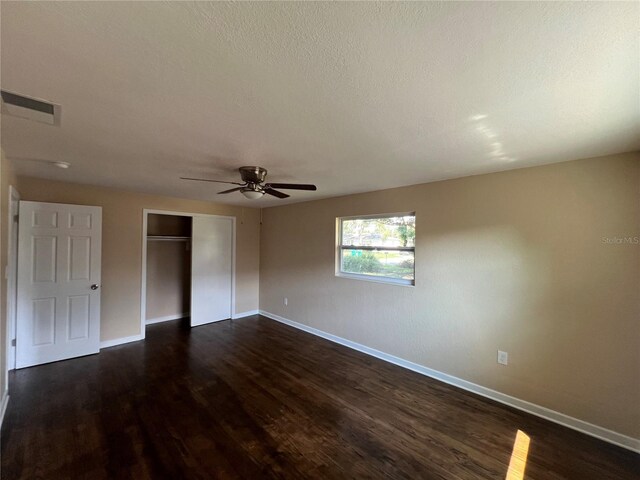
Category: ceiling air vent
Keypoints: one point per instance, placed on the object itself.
(30, 108)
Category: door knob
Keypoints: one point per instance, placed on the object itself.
(94, 286)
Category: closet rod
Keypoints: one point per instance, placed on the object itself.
(167, 238)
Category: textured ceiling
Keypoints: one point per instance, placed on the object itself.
(351, 96)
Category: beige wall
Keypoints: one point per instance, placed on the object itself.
(168, 267)
(512, 261)
(168, 279)
(7, 178)
(171, 225)
(122, 245)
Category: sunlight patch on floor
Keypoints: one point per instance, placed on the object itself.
(518, 461)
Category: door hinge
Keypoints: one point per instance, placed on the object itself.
(13, 342)
(16, 218)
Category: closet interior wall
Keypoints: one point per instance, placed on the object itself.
(168, 267)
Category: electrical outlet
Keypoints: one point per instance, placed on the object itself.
(503, 357)
(286, 301)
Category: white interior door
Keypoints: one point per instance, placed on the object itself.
(211, 269)
(59, 248)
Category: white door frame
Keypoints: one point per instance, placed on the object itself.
(12, 282)
(143, 291)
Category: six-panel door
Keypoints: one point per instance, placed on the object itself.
(59, 250)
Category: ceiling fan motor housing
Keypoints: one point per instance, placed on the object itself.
(253, 174)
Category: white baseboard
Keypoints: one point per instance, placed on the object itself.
(245, 314)
(3, 406)
(168, 318)
(543, 412)
(135, 338)
(120, 341)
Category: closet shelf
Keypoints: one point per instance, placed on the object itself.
(167, 238)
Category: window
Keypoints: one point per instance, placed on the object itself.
(377, 247)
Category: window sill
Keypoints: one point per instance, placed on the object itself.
(370, 278)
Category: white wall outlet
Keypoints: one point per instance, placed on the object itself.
(285, 301)
(503, 357)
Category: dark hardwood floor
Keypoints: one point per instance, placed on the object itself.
(256, 399)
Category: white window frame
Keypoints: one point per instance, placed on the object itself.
(372, 278)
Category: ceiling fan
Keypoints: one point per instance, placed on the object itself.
(253, 186)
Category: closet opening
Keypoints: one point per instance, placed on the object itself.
(168, 275)
(188, 268)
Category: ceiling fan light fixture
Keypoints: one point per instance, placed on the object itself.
(253, 184)
(252, 194)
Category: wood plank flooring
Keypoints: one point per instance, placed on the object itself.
(255, 399)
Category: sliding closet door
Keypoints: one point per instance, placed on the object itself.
(211, 269)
